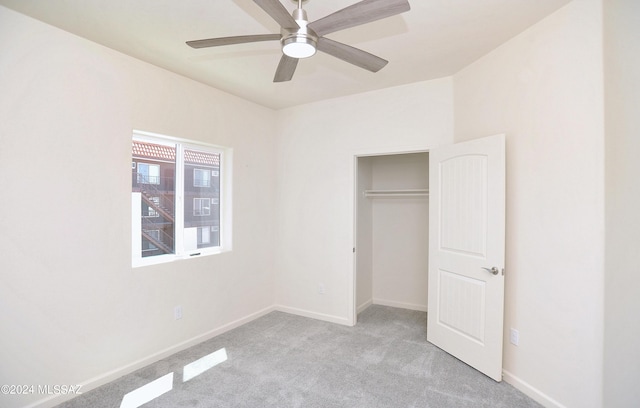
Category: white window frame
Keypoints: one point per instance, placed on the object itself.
(226, 236)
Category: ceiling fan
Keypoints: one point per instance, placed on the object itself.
(301, 39)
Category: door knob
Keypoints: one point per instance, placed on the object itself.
(493, 271)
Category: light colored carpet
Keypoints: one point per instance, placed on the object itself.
(283, 361)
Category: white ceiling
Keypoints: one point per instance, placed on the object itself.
(433, 40)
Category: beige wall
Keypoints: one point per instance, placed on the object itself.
(316, 146)
(622, 97)
(544, 90)
(73, 309)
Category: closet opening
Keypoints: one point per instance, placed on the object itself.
(392, 230)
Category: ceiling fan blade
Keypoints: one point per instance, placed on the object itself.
(240, 39)
(286, 68)
(363, 12)
(278, 12)
(351, 55)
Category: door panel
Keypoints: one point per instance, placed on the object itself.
(463, 205)
(466, 235)
(465, 318)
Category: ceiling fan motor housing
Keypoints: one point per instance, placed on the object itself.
(300, 42)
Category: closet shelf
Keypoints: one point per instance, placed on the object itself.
(396, 193)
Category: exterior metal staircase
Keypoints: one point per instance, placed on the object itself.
(159, 243)
(161, 209)
(156, 198)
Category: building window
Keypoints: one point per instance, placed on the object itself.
(149, 209)
(204, 235)
(201, 178)
(173, 189)
(148, 173)
(201, 207)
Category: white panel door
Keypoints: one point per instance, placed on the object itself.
(466, 252)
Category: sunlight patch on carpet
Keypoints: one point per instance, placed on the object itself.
(203, 364)
(148, 392)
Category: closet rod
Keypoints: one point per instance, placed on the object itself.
(396, 193)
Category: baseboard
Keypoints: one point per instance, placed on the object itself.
(530, 391)
(313, 315)
(112, 375)
(365, 305)
(401, 305)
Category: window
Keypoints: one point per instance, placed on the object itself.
(149, 207)
(204, 235)
(208, 236)
(201, 178)
(148, 173)
(179, 208)
(201, 207)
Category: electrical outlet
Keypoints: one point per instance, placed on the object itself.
(514, 337)
(177, 312)
(321, 289)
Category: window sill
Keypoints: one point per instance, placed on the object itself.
(162, 259)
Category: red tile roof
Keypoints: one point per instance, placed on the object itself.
(197, 157)
(168, 153)
(153, 151)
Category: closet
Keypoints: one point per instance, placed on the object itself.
(392, 230)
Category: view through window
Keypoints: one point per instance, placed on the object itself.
(176, 197)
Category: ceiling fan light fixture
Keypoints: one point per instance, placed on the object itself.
(299, 47)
